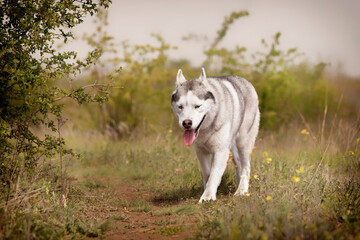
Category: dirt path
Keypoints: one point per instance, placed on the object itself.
(135, 213)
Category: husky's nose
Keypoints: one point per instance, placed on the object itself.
(187, 124)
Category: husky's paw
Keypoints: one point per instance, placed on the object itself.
(240, 192)
(206, 197)
(243, 187)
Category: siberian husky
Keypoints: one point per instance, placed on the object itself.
(219, 115)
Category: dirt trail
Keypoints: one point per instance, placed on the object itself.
(138, 214)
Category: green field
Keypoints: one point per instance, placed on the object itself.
(303, 186)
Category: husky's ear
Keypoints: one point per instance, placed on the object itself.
(180, 79)
(202, 75)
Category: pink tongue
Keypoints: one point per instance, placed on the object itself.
(189, 137)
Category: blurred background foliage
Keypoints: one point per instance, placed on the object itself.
(290, 89)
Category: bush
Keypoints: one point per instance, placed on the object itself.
(29, 67)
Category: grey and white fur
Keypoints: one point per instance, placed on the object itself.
(218, 115)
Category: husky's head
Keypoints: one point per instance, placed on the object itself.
(191, 102)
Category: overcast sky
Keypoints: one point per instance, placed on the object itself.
(325, 30)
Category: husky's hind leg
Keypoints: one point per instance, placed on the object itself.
(244, 173)
(241, 158)
(236, 161)
(244, 144)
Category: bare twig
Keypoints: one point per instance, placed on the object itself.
(98, 87)
(323, 154)
(61, 122)
(305, 123)
(26, 196)
(324, 117)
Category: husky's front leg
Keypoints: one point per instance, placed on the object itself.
(217, 170)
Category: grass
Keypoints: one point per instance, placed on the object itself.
(136, 205)
(168, 231)
(304, 185)
(308, 190)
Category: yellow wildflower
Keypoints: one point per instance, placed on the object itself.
(248, 194)
(304, 132)
(265, 154)
(358, 139)
(295, 179)
(268, 198)
(170, 131)
(268, 160)
(256, 176)
(300, 170)
(351, 152)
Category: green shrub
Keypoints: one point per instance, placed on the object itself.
(30, 100)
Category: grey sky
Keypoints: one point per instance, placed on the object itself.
(325, 30)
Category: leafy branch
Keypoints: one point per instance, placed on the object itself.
(221, 33)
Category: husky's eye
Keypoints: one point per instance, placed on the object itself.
(197, 106)
(180, 107)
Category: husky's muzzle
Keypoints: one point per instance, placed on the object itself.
(190, 135)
